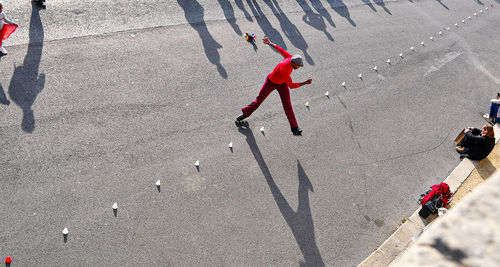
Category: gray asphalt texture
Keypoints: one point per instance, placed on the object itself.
(102, 98)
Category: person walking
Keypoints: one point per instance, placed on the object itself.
(7, 27)
(279, 79)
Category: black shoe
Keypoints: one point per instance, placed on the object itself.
(240, 118)
(297, 131)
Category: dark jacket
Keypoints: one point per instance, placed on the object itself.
(477, 146)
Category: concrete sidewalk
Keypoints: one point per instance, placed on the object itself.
(463, 180)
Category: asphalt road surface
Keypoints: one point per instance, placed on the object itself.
(100, 99)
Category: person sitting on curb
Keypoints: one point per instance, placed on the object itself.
(477, 144)
(493, 116)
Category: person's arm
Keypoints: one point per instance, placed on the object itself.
(293, 85)
(283, 52)
(474, 137)
(495, 101)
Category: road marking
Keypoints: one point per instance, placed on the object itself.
(443, 61)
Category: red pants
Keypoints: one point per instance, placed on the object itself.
(266, 89)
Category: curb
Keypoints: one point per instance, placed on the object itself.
(415, 225)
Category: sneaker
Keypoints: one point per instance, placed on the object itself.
(297, 131)
(460, 149)
(487, 117)
(240, 118)
(2, 50)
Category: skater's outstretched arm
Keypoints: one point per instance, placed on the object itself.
(293, 85)
(283, 52)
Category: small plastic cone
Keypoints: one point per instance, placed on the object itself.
(440, 33)
(158, 182)
(360, 76)
(480, 11)
(307, 104)
(262, 129)
(448, 28)
(475, 14)
(432, 38)
(197, 163)
(422, 43)
(65, 231)
(463, 21)
(456, 24)
(412, 48)
(230, 145)
(343, 84)
(375, 68)
(389, 61)
(469, 17)
(486, 8)
(115, 206)
(326, 93)
(8, 260)
(401, 55)
(491, 5)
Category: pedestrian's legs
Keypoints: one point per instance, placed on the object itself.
(287, 105)
(493, 111)
(266, 89)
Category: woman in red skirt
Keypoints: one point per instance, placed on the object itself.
(7, 27)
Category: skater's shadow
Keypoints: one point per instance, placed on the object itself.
(314, 20)
(26, 83)
(241, 6)
(194, 13)
(3, 97)
(228, 10)
(342, 10)
(291, 31)
(300, 222)
(439, 1)
(382, 4)
(265, 25)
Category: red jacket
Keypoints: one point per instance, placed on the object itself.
(282, 71)
(440, 190)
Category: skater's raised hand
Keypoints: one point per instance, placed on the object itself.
(308, 81)
(266, 40)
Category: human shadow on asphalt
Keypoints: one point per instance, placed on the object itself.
(3, 97)
(382, 5)
(194, 13)
(228, 10)
(241, 6)
(291, 31)
(342, 10)
(314, 20)
(265, 25)
(26, 83)
(439, 1)
(300, 222)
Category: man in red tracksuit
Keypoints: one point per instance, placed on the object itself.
(280, 80)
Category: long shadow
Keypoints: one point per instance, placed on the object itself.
(241, 6)
(300, 222)
(26, 83)
(194, 13)
(292, 33)
(342, 10)
(314, 20)
(439, 1)
(228, 10)
(265, 25)
(382, 5)
(3, 97)
(368, 3)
